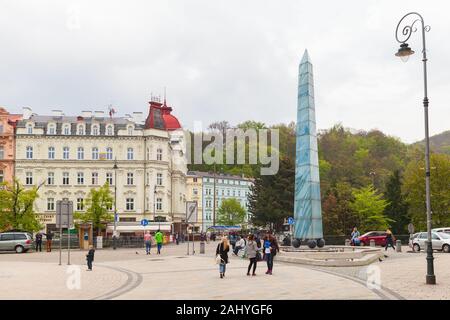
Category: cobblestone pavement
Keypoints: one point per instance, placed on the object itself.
(130, 274)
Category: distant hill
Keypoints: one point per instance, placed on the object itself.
(439, 143)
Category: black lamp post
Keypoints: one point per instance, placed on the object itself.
(404, 52)
(115, 205)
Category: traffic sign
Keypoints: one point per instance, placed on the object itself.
(290, 220)
(144, 222)
(191, 211)
(411, 228)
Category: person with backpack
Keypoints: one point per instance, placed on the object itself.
(222, 253)
(159, 240)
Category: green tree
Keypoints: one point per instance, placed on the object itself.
(97, 208)
(397, 208)
(231, 213)
(271, 199)
(414, 188)
(369, 208)
(17, 207)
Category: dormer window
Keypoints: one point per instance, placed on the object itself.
(66, 129)
(80, 130)
(109, 130)
(95, 130)
(29, 128)
(130, 130)
(51, 129)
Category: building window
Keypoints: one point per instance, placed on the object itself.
(158, 203)
(80, 153)
(109, 130)
(130, 154)
(65, 178)
(80, 204)
(2, 176)
(94, 178)
(80, 130)
(130, 178)
(95, 153)
(50, 204)
(195, 179)
(80, 178)
(51, 129)
(130, 130)
(159, 154)
(51, 178)
(66, 130)
(109, 178)
(228, 192)
(66, 153)
(130, 204)
(223, 192)
(195, 191)
(159, 179)
(29, 152)
(30, 129)
(29, 178)
(239, 193)
(109, 154)
(95, 130)
(51, 153)
(2, 152)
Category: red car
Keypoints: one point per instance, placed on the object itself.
(378, 236)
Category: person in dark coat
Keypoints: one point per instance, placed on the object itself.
(222, 250)
(90, 257)
(270, 250)
(38, 242)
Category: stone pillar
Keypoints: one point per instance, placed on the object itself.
(398, 246)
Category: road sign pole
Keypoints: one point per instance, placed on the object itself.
(60, 231)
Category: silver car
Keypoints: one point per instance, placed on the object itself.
(16, 241)
(444, 230)
(439, 241)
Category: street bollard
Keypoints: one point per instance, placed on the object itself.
(372, 243)
(398, 246)
(347, 242)
(202, 247)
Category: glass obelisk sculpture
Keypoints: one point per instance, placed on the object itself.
(307, 206)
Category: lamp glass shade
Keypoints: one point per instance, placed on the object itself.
(404, 52)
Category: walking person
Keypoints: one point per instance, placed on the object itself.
(49, 238)
(39, 241)
(177, 238)
(270, 250)
(252, 250)
(159, 240)
(148, 242)
(222, 250)
(355, 237)
(90, 257)
(389, 240)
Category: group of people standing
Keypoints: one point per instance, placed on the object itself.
(254, 246)
(48, 243)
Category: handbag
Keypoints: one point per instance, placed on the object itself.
(218, 259)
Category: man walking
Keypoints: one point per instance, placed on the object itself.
(159, 240)
(48, 244)
(39, 241)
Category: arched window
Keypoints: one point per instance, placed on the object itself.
(66, 153)
(66, 129)
(130, 130)
(51, 129)
(159, 154)
(29, 128)
(80, 130)
(109, 153)
(95, 130)
(29, 152)
(130, 154)
(95, 153)
(109, 130)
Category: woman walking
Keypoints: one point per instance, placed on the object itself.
(252, 249)
(270, 250)
(222, 250)
(148, 242)
(389, 240)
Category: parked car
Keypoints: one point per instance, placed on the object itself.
(439, 241)
(444, 230)
(378, 236)
(16, 241)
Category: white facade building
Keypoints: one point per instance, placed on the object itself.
(68, 155)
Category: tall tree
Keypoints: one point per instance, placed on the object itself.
(397, 208)
(98, 204)
(17, 207)
(369, 207)
(231, 213)
(414, 188)
(272, 197)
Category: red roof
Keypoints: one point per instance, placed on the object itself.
(160, 117)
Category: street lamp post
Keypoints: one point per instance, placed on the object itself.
(404, 52)
(115, 205)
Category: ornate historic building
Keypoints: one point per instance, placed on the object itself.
(7, 142)
(66, 156)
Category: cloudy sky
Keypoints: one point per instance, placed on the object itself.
(228, 60)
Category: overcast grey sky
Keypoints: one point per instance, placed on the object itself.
(231, 60)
